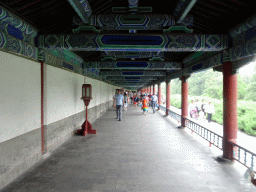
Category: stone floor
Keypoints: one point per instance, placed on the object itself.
(139, 153)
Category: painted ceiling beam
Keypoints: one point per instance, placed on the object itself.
(210, 62)
(130, 54)
(146, 65)
(17, 27)
(135, 42)
(132, 82)
(197, 57)
(132, 73)
(244, 36)
(17, 46)
(132, 21)
(82, 8)
(182, 9)
(118, 78)
(244, 26)
(244, 50)
(133, 3)
(134, 86)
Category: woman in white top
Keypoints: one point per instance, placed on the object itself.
(210, 110)
(126, 101)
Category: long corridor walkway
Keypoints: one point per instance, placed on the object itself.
(139, 153)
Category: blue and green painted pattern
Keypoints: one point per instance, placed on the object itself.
(246, 25)
(16, 27)
(133, 3)
(14, 45)
(204, 63)
(210, 62)
(148, 65)
(140, 78)
(132, 73)
(131, 54)
(197, 57)
(131, 21)
(10, 30)
(82, 8)
(244, 50)
(61, 55)
(174, 43)
(50, 58)
(244, 36)
(53, 60)
(182, 9)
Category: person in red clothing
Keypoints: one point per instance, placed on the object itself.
(144, 105)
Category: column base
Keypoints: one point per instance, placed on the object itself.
(221, 159)
(86, 129)
(181, 127)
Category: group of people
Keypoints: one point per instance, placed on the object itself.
(147, 101)
(201, 110)
(122, 101)
(197, 110)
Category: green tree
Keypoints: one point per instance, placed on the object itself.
(241, 87)
(251, 92)
(175, 86)
(213, 84)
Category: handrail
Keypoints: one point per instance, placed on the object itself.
(205, 133)
(248, 157)
(240, 153)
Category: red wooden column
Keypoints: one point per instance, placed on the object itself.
(184, 100)
(159, 94)
(154, 89)
(150, 89)
(230, 125)
(168, 95)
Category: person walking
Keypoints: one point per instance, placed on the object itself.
(198, 107)
(119, 100)
(126, 101)
(144, 105)
(135, 100)
(210, 110)
(154, 100)
(191, 107)
(203, 108)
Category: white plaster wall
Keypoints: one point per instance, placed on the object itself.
(96, 98)
(20, 96)
(63, 91)
(104, 92)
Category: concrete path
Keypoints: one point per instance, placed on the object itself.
(138, 154)
(243, 139)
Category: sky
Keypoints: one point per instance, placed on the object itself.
(247, 69)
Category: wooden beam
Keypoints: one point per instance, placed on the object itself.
(82, 8)
(182, 9)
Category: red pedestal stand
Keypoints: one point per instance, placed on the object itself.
(86, 127)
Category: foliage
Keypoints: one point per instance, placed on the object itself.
(250, 92)
(176, 101)
(246, 111)
(241, 87)
(247, 117)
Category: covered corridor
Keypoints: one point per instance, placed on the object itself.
(50, 49)
(139, 153)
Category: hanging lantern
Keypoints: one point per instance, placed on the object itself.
(87, 91)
